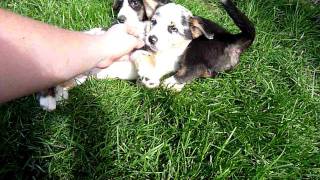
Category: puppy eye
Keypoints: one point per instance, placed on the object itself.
(153, 22)
(134, 3)
(172, 29)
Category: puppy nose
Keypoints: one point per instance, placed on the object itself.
(153, 39)
(122, 19)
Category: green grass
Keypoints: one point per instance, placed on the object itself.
(260, 121)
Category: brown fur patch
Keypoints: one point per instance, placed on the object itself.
(148, 60)
(195, 28)
(47, 92)
(182, 71)
(150, 7)
(69, 84)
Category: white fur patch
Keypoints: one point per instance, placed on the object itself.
(61, 93)
(80, 79)
(151, 68)
(151, 83)
(144, 68)
(168, 48)
(125, 70)
(166, 17)
(48, 103)
(173, 84)
(131, 15)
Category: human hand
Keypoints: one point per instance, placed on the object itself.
(117, 42)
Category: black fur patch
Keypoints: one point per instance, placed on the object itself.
(187, 33)
(136, 4)
(117, 5)
(205, 57)
(164, 1)
(185, 22)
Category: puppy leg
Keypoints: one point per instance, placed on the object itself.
(47, 99)
(125, 70)
(145, 65)
(173, 84)
(179, 80)
(62, 90)
(184, 75)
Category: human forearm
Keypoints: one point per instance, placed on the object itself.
(46, 45)
(34, 55)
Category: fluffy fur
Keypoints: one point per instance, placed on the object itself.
(176, 41)
(207, 57)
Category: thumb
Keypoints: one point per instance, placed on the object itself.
(134, 42)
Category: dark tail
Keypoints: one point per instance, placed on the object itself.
(247, 28)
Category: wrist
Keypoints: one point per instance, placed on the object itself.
(100, 47)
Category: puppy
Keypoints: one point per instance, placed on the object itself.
(166, 42)
(206, 57)
(131, 12)
(194, 46)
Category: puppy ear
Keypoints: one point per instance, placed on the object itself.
(152, 5)
(197, 28)
(117, 5)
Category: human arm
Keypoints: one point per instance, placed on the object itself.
(35, 55)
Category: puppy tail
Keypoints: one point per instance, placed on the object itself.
(247, 28)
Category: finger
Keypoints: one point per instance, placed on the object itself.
(132, 31)
(123, 58)
(103, 64)
(135, 42)
(140, 44)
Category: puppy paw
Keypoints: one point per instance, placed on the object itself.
(125, 70)
(149, 83)
(139, 55)
(172, 84)
(61, 93)
(80, 79)
(48, 103)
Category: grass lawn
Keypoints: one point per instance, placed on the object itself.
(260, 121)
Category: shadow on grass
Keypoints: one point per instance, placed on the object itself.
(19, 130)
(68, 142)
(37, 144)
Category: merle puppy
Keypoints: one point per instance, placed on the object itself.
(206, 55)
